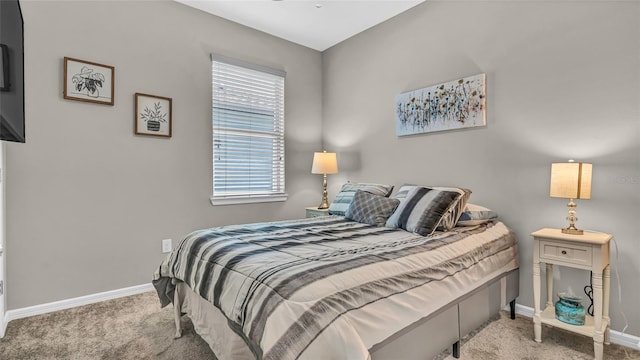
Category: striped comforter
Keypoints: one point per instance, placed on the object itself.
(328, 287)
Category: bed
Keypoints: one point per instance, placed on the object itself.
(333, 288)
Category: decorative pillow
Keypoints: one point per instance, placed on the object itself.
(453, 214)
(475, 215)
(371, 209)
(342, 201)
(422, 209)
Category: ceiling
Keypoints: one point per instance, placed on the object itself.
(318, 24)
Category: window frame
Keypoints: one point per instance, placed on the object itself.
(278, 192)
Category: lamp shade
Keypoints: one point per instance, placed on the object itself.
(570, 180)
(324, 163)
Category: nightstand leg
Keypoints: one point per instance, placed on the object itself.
(598, 336)
(605, 303)
(598, 349)
(549, 285)
(537, 324)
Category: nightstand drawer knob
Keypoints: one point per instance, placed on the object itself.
(564, 252)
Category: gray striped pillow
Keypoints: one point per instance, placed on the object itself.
(453, 214)
(422, 209)
(342, 201)
(455, 211)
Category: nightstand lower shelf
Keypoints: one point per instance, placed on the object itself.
(548, 317)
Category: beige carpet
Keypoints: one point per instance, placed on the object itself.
(135, 327)
(506, 339)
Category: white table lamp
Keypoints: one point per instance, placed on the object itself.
(571, 180)
(324, 163)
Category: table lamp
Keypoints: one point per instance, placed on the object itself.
(571, 180)
(324, 163)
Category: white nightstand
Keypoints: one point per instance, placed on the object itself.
(315, 212)
(588, 252)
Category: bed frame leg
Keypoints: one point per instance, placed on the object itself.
(512, 307)
(177, 314)
(456, 349)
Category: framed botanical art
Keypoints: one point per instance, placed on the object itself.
(88, 81)
(452, 105)
(153, 115)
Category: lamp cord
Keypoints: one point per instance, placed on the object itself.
(626, 321)
(588, 290)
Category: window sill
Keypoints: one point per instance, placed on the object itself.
(246, 199)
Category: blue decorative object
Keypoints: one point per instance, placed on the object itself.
(569, 309)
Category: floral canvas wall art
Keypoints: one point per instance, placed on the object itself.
(451, 105)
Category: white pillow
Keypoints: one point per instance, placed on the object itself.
(475, 215)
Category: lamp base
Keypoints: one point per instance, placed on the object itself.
(572, 220)
(573, 231)
(325, 202)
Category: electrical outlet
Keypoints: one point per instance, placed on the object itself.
(166, 245)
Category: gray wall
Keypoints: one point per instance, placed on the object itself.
(562, 82)
(88, 201)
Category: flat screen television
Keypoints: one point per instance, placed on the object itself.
(11, 72)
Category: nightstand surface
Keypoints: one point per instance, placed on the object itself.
(587, 237)
(313, 211)
(589, 251)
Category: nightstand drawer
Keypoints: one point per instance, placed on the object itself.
(564, 252)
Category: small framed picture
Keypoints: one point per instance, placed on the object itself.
(88, 81)
(153, 115)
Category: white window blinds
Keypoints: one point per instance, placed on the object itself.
(248, 132)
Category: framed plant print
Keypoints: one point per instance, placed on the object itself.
(153, 115)
(88, 81)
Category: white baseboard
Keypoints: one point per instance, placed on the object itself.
(70, 303)
(616, 337)
(3, 325)
(524, 310)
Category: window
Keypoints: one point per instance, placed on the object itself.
(248, 132)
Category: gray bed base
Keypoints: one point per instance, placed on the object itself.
(429, 336)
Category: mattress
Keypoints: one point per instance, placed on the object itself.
(329, 287)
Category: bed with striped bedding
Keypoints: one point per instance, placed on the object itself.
(329, 287)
